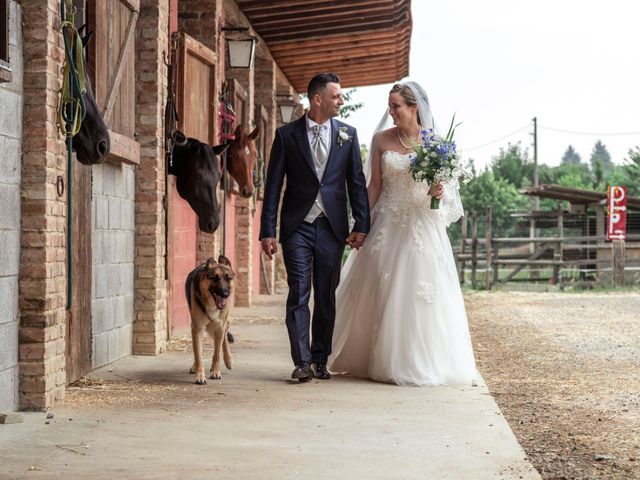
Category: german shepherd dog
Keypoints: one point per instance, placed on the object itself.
(207, 288)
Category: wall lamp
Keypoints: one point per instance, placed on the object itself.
(240, 51)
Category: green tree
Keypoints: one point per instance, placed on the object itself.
(348, 108)
(501, 195)
(513, 165)
(571, 156)
(601, 155)
(627, 175)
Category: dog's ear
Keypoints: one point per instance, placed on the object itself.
(210, 263)
(224, 261)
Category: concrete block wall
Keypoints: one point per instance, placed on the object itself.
(11, 98)
(113, 237)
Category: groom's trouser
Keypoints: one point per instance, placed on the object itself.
(312, 254)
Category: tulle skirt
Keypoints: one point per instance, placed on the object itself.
(400, 314)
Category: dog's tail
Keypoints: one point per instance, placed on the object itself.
(230, 338)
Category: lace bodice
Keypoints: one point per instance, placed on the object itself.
(401, 194)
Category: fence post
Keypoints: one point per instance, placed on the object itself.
(487, 234)
(617, 262)
(474, 248)
(533, 233)
(463, 247)
(557, 251)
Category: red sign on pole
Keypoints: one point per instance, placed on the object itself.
(617, 213)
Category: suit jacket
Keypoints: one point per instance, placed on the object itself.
(291, 158)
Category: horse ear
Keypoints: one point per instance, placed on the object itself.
(253, 135)
(219, 149)
(224, 261)
(86, 38)
(179, 138)
(238, 131)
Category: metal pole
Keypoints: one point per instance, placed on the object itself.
(224, 198)
(63, 15)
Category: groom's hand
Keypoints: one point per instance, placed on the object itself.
(269, 246)
(355, 239)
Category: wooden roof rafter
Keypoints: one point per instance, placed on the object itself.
(366, 42)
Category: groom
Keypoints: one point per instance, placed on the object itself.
(320, 159)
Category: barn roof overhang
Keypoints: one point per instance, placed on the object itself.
(574, 195)
(366, 42)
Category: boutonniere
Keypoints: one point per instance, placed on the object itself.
(343, 136)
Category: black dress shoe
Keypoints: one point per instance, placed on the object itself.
(321, 372)
(303, 372)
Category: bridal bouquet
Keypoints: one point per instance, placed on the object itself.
(437, 160)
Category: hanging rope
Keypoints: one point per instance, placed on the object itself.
(71, 109)
(71, 112)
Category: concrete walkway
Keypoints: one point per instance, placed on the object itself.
(144, 418)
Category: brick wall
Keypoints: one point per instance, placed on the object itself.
(43, 224)
(150, 302)
(244, 233)
(10, 149)
(201, 19)
(265, 88)
(113, 233)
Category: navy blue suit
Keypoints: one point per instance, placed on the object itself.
(312, 252)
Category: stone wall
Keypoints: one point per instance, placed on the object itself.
(11, 97)
(113, 233)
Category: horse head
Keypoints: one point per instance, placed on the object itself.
(91, 143)
(197, 169)
(241, 159)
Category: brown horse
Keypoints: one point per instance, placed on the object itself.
(241, 160)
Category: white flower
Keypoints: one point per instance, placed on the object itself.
(343, 136)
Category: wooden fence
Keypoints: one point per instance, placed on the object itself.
(504, 259)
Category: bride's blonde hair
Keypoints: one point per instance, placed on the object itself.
(407, 95)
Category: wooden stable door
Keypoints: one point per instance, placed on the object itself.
(78, 327)
(113, 58)
(196, 102)
(111, 69)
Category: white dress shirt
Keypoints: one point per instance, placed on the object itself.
(318, 206)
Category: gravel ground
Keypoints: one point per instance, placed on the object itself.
(565, 370)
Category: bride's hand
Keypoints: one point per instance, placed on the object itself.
(436, 190)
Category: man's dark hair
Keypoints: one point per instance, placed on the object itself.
(319, 83)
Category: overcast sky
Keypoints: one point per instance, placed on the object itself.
(498, 63)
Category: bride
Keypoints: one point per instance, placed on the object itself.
(400, 315)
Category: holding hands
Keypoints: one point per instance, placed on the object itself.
(355, 239)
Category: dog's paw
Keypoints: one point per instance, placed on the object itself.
(201, 379)
(227, 363)
(192, 369)
(215, 375)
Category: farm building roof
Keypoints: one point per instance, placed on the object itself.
(574, 195)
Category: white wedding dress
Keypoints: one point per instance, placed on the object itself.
(400, 315)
